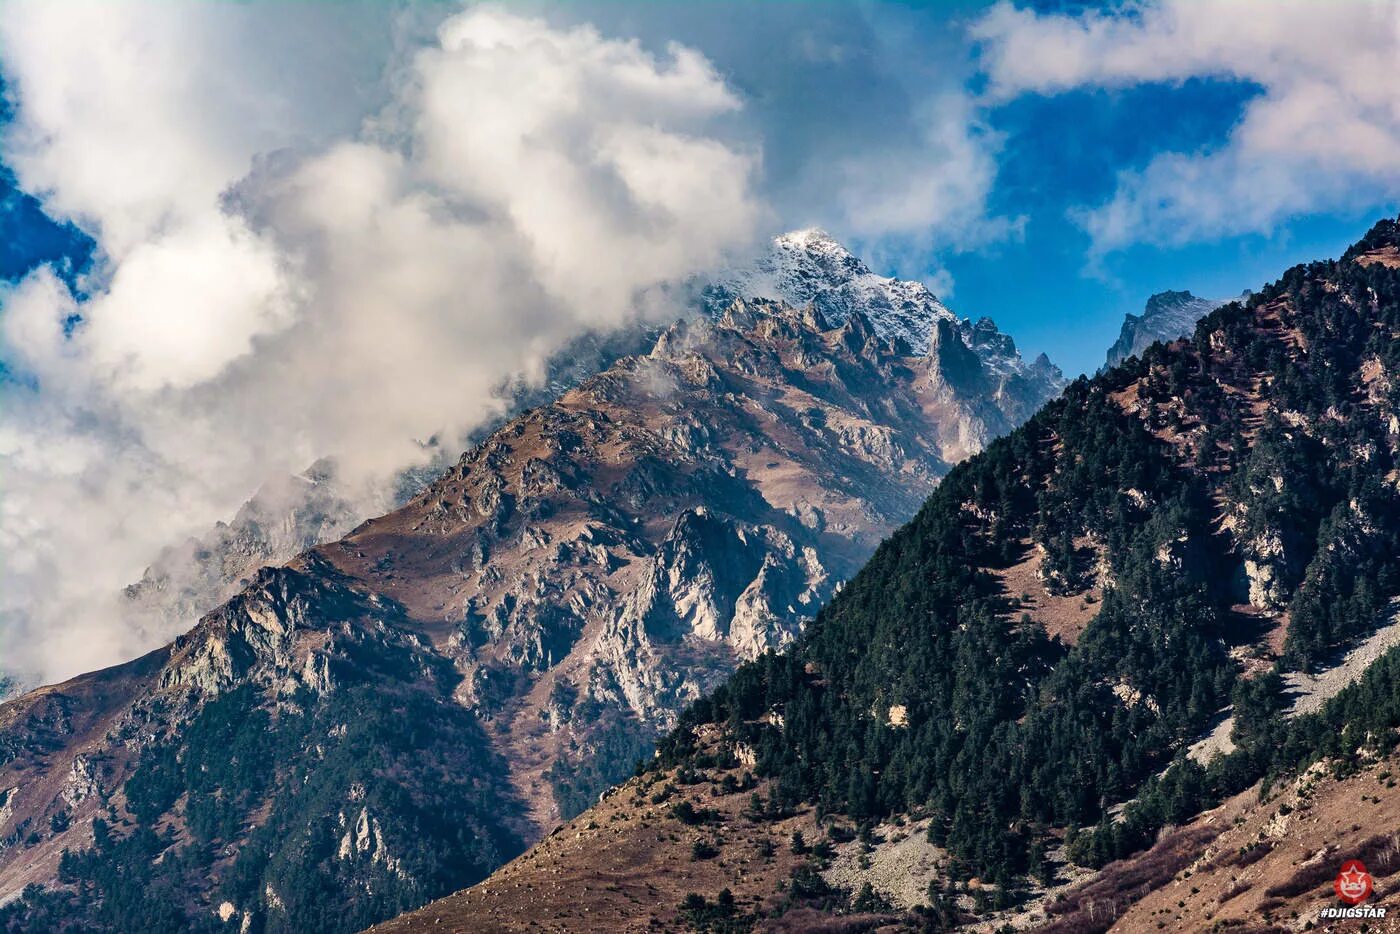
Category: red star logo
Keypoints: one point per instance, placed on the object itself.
(1353, 884)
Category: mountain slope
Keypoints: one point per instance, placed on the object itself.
(289, 515)
(1217, 512)
(498, 650)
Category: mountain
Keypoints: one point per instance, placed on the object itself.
(1011, 714)
(284, 518)
(1168, 316)
(290, 514)
(393, 714)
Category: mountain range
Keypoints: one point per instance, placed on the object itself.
(919, 643)
(904, 664)
(291, 514)
(1133, 664)
(393, 713)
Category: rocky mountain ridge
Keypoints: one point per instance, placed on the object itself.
(810, 267)
(289, 515)
(1167, 316)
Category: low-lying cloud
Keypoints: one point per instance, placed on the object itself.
(282, 277)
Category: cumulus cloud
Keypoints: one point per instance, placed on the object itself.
(867, 128)
(301, 258)
(934, 188)
(1322, 133)
(906, 202)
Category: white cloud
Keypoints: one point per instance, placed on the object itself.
(933, 190)
(1322, 133)
(281, 278)
(906, 202)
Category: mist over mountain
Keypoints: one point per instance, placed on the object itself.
(291, 514)
(288, 515)
(334, 254)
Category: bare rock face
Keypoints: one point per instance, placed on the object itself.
(284, 518)
(1166, 317)
(724, 589)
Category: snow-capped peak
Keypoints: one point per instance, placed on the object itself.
(809, 238)
(810, 267)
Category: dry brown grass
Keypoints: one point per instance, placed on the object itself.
(626, 865)
(1279, 856)
(1387, 256)
(1062, 615)
(1098, 904)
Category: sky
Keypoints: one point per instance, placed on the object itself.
(235, 237)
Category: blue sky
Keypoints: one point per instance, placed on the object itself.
(1042, 281)
(28, 236)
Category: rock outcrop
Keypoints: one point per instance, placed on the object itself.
(1167, 316)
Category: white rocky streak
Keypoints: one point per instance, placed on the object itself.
(900, 867)
(7, 807)
(81, 782)
(1262, 568)
(1308, 692)
(365, 839)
